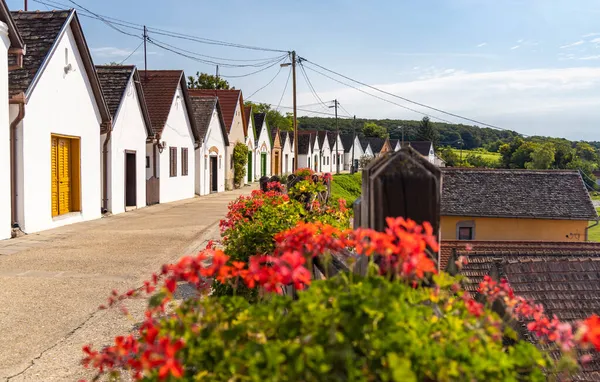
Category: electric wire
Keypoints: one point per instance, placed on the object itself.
(284, 89)
(132, 53)
(268, 83)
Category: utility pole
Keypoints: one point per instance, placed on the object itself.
(295, 122)
(402, 128)
(25, 5)
(337, 130)
(145, 55)
(353, 142)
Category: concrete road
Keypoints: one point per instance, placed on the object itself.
(52, 283)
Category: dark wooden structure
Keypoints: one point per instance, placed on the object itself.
(152, 191)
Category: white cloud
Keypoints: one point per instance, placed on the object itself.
(557, 102)
(449, 54)
(594, 57)
(515, 47)
(595, 41)
(591, 34)
(111, 51)
(576, 43)
(482, 45)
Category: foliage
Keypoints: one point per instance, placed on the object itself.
(427, 132)
(449, 156)
(274, 118)
(364, 161)
(542, 157)
(347, 187)
(240, 160)
(207, 81)
(371, 129)
(389, 325)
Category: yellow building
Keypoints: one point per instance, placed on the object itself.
(524, 205)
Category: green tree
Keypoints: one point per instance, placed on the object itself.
(542, 157)
(449, 156)
(207, 81)
(508, 149)
(371, 129)
(427, 132)
(274, 118)
(586, 152)
(522, 155)
(240, 159)
(564, 154)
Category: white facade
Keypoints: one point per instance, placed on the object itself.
(305, 160)
(59, 104)
(212, 149)
(250, 139)
(315, 161)
(177, 133)
(263, 148)
(369, 152)
(287, 155)
(128, 136)
(5, 208)
(326, 159)
(340, 155)
(358, 153)
(431, 156)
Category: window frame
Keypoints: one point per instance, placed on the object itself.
(184, 161)
(172, 161)
(470, 224)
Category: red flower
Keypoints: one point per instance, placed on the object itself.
(591, 330)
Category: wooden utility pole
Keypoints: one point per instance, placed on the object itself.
(145, 55)
(295, 122)
(337, 129)
(25, 6)
(353, 168)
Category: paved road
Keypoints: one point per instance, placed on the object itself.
(52, 283)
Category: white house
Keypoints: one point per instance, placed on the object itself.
(316, 149)
(425, 148)
(124, 145)
(325, 155)
(287, 152)
(366, 147)
(337, 152)
(395, 144)
(263, 145)
(353, 151)
(250, 139)
(175, 135)
(11, 44)
(210, 155)
(232, 105)
(57, 127)
(305, 149)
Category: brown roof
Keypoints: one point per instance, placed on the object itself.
(16, 41)
(533, 194)
(229, 100)
(202, 109)
(160, 87)
(41, 31)
(114, 80)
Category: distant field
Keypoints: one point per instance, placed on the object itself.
(484, 154)
(594, 232)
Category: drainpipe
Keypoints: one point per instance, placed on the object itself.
(105, 172)
(597, 221)
(19, 100)
(154, 159)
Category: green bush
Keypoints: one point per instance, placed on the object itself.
(240, 160)
(347, 187)
(369, 329)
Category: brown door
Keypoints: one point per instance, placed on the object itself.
(213, 175)
(130, 180)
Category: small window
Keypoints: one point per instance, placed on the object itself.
(205, 163)
(147, 161)
(220, 162)
(184, 161)
(465, 230)
(173, 161)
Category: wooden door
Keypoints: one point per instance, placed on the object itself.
(250, 164)
(61, 176)
(130, 180)
(213, 175)
(276, 164)
(263, 164)
(54, 161)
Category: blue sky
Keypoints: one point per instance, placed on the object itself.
(528, 65)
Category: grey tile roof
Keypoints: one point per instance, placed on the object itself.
(259, 118)
(114, 80)
(304, 143)
(537, 194)
(347, 141)
(364, 143)
(39, 30)
(376, 144)
(16, 41)
(202, 111)
(422, 147)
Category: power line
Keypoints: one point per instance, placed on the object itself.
(132, 53)
(406, 99)
(108, 23)
(311, 87)
(284, 89)
(268, 83)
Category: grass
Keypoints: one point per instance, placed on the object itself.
(484, 154)
(594, 233)
(347, 187)
(595, 195)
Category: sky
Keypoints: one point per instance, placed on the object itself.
(532, 66)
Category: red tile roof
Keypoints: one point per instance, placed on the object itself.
(229, 100)
(159, 88)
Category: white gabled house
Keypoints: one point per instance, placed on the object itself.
(337, 152)
(11, 45)
(264, 146)
(287, 152)
(353, 151)
(171, 151)
(124, 144)
(250, 139)
(305, 149)
(210, 155)
(316, 149)
(232, 105)
(425, 148)
(366, 147)
(325, 158)
(58, 111)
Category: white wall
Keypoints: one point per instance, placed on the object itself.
(129, 133)
(323, 166)
(60, 104)
(236, 134)
(358, 152)
(214, 138)
(5, 211)
(177, 133)
(263, 146)
(287, 149)
(250, 145)
(340, 152)
(150, 154)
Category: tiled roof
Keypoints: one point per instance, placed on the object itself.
(422, 147)
(304, 143)
(229, 100)
(202, 110)
(321, 137)
(39, 30)
(394, 143)
(376, 144)
(332, 135)
(274, 133)
(259, 118)
(364, 143)
(566, 283)
(160, 87)
(114, 80)
(347, 141)
(16, 41)
(248, 117)
(551, 194)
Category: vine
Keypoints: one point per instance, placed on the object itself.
(240, 160)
